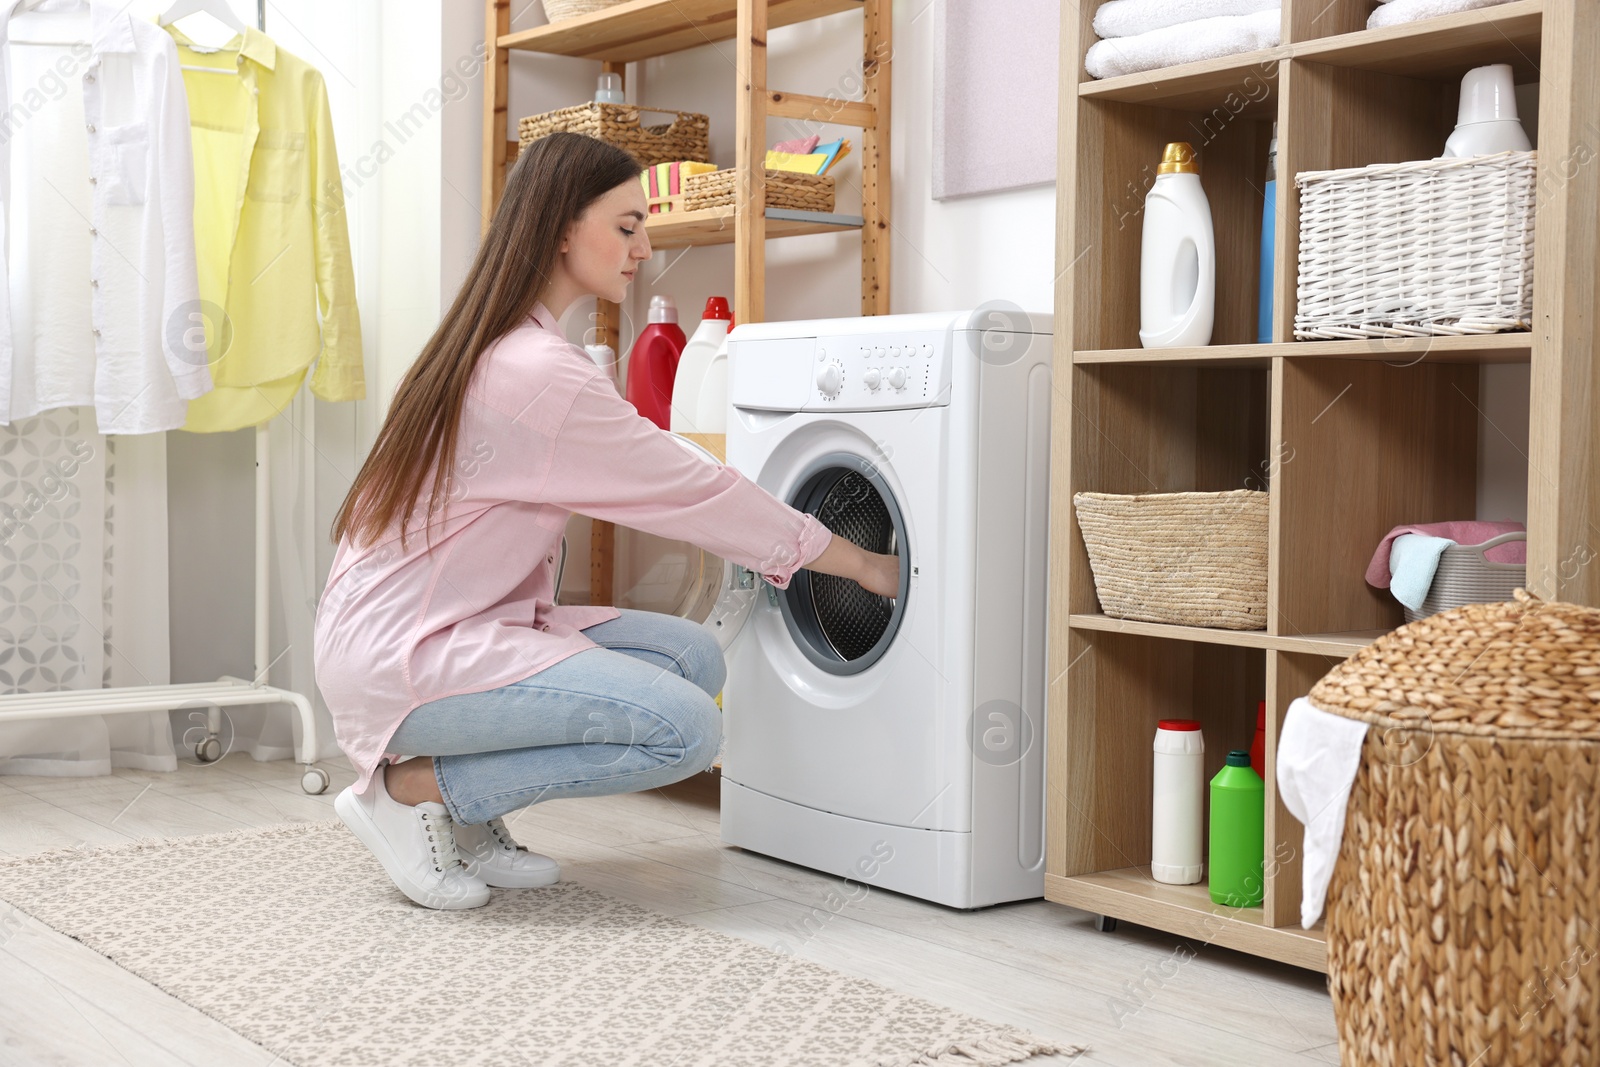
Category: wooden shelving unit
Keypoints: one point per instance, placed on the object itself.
(643, 29)
(1351, 437)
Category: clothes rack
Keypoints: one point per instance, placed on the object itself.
(228, 690)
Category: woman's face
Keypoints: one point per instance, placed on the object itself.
(604, 248)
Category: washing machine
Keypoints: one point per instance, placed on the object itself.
(897, 741)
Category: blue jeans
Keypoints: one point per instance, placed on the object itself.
(634, 714)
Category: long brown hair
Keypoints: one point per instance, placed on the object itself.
(553, 181)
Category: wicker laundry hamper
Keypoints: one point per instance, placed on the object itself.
(1463, 917)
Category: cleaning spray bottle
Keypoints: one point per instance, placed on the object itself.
(1178, 259)
(653, 363)
(688, 390)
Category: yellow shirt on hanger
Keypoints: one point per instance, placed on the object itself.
(271, 240)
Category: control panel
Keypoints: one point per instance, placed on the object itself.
(879, 371)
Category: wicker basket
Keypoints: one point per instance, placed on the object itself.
(1466, 576)
(1442, 246)
(1192, 559)
(785, 189)
(1464, 909)
(688, 137)
(557, 10)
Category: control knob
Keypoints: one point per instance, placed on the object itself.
(829, 377)
(872, 377)
(897, 377)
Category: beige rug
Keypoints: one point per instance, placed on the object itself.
(293, 937)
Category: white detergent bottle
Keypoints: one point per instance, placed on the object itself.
(1178, 257)
(689, 382)
(712, 409)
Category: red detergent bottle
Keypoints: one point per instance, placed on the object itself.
(653, 363)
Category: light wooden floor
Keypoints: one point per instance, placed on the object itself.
(1128, 995)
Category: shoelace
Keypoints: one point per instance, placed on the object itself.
(441, 841)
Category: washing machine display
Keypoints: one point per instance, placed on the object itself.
(837, 624)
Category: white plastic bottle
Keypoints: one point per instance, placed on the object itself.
(1177, 808)
(1486, 118)
(1178, 257)
(712, 408)
(689, 382)
(605, 357)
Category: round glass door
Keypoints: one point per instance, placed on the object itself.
(838, 625)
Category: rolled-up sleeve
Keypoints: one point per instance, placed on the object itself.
(610, 462)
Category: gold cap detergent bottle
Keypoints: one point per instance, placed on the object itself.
(1178, 256)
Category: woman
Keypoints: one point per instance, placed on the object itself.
(437, 636)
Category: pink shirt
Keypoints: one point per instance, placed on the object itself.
(543, 434)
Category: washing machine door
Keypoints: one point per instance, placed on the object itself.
(838, 625)
(675, 577)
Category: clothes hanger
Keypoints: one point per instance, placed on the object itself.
(217, 9)
(182, 9)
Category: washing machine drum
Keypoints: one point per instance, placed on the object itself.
(838, 625)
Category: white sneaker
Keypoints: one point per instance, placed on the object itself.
(415, 844)
(490, 853)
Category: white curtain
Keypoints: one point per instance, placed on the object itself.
(83, 589)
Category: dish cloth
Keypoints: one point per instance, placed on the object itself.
(1395, 12)
(1318, 757)
(1126, 18)
(1468, 532)
(1186, 42)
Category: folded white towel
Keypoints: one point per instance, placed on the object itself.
(1186, 42)
(1126, 18)
(1394, 12)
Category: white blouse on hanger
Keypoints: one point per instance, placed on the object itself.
(100, 303)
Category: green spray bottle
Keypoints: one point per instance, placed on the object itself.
(1238, 830)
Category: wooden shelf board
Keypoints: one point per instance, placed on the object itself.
(1442, 47)
(1200, 86)
(1202, 634)
(1186, 910)
(1402, 351)
(1343, 645)
(640, 29)
(1330, 644)
(714, 226)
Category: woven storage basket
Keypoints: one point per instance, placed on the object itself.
(1465, 576)
(557, 10)
(1192, 559)
(785, 189)
(688, 137)
(1464, 910)
(1440, 246)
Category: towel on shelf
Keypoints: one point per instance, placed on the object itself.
(1127, 18)
(1187, 42)
(1466, 532)
(1413, 561)
(1396, 12)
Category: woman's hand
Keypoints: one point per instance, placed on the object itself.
(880, 574)
(874, 572)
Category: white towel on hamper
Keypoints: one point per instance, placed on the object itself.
(1126, 18)
(1186, 42)
(1395, 12)
(1318, 757)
